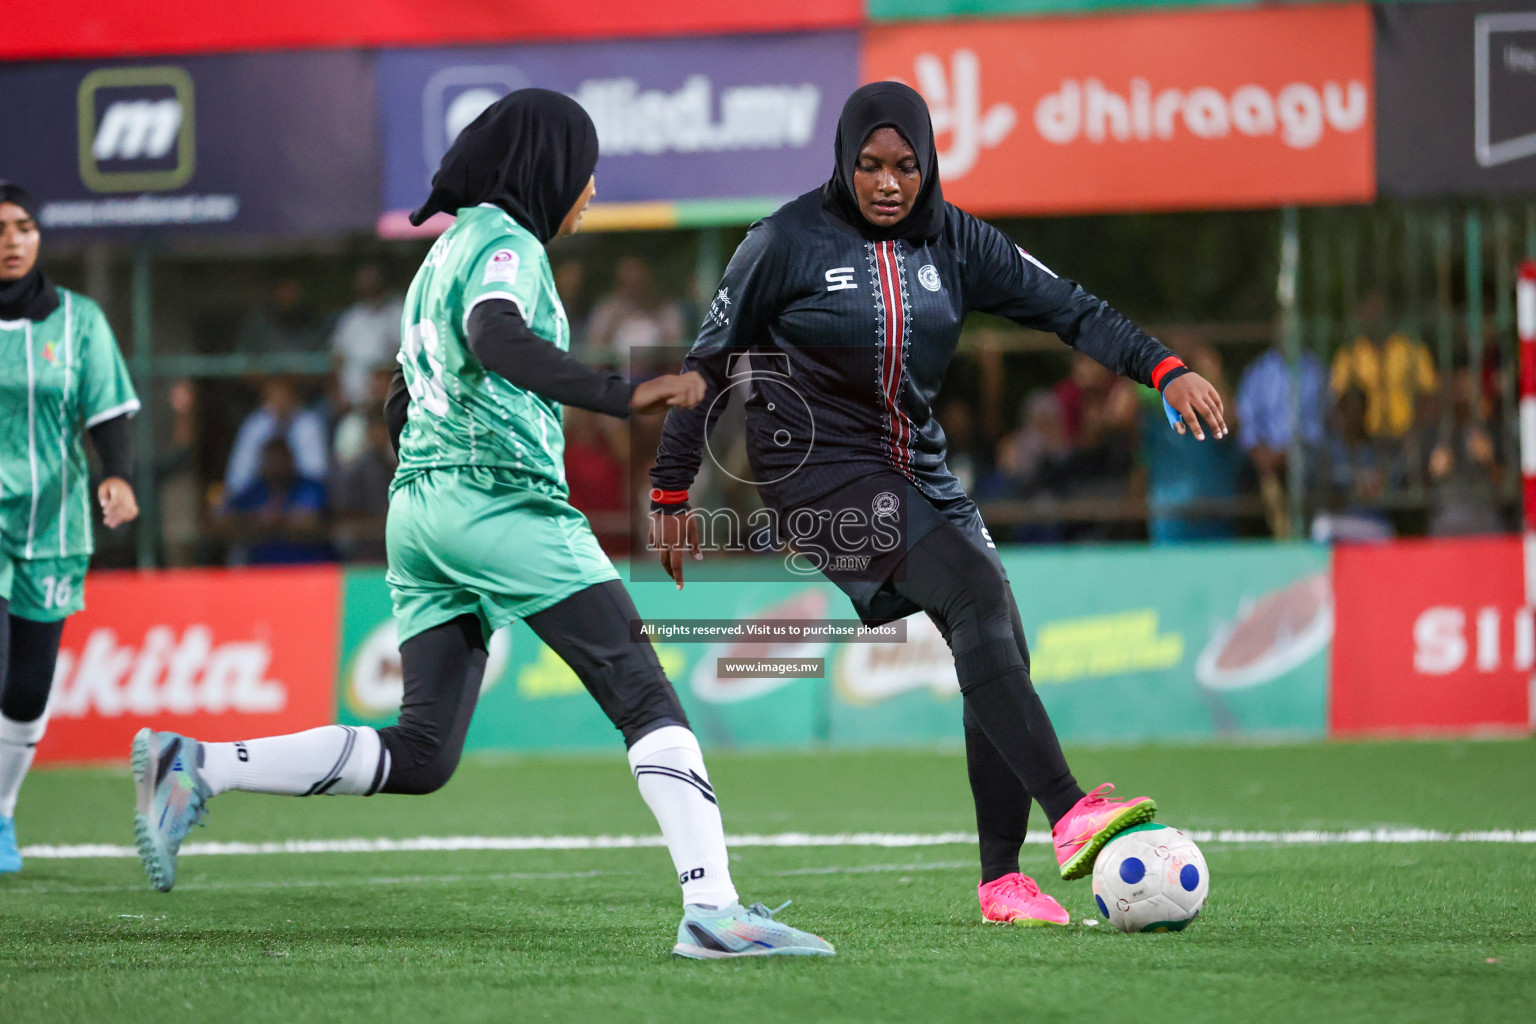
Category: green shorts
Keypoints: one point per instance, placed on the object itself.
(472, 541)
(44, 589)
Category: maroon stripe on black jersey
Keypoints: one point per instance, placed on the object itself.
(892, 341)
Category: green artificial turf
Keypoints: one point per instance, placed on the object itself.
(1390, 932)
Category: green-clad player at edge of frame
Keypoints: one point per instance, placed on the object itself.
(481, 532)
(61, 377)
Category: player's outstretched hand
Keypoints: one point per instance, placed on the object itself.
(118, 505)
(669, 391)
(673, 535)
(1193, 398)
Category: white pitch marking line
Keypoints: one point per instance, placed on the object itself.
(502, 876)
(889, 840)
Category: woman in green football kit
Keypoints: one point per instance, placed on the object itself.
(481, 532)
(61, 376)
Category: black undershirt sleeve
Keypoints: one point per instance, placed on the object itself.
(113, 441)
(505, 345)
(396, 405)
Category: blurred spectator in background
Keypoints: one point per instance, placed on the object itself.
(367, 336)
(1355, 471)
(351, 436)
(180, 491)
(1089, 381)
(571, 283)
(595, 473)
(1181, 469)
(1029, 465)
(1464, 466)
(359, 486)
(280, 415)
(279, 518)
(1264, 410)
(1104, 446)
(1394, 371)
(966, 458)
(282, 324)
(633, 316)
(1030, 458)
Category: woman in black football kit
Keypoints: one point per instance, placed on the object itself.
(850, 301)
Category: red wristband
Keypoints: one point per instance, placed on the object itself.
(1161, 371)
(662, 497)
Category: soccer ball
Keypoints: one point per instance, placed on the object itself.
(1150, 878)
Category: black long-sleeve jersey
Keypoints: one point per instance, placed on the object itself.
(849, 340)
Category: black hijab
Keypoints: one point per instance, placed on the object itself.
(32, 296)
(886, 105)
(530, 153)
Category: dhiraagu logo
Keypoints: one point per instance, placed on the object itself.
(1104, 645)
(136, 129)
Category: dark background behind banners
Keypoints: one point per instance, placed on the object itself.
(293, 135)
(1426, 102)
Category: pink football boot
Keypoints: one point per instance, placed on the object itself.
(1093, 821)
(1016, 899)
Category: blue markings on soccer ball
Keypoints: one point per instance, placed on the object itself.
(1100, 901)
(1132, 870)
(1189, 878)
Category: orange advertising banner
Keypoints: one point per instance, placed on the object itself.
(215, 654)
(1191, 110)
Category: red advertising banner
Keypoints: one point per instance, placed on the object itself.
(1186, 110)
(101, 28)
(215, 654)
(1431, 636)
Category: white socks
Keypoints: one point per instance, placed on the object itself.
(334, 759)
(18, 742)
(667, 764)
(669, 769)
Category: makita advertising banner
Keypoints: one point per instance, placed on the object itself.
(1176, 110)
(1239, 647)
(682, 119)
(270, 144)
(220, 655)
(1457, 106)
(1433, 637)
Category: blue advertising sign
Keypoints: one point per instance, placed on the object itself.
(268, 144)
(678, 119)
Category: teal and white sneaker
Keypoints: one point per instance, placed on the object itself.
(743, 931)
(10, 856)
(172, 798)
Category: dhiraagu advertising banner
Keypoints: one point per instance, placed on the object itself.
(1128, 644)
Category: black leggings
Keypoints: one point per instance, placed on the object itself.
(28, 653)
(444, 666)
(1012, 752)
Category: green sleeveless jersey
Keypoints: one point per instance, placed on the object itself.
(461, 414)
(58, 377)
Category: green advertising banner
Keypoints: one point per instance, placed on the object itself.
(1128, 644)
